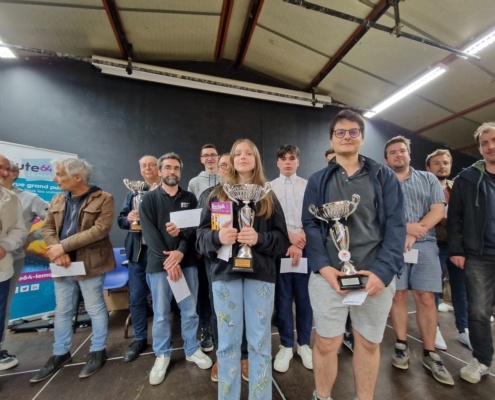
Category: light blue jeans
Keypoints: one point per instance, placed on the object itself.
(237, 302)
(189, 320)
(92, 292)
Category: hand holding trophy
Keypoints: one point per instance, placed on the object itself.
(340, 237)
(246, 193)
(138, 187)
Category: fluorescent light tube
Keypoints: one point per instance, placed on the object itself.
(480, 44)
(415, 85)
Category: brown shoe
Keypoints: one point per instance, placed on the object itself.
(214, 372)
(245, 370)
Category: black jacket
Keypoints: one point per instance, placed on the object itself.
(154, 213)
(273, 240)
(466, 218)
(133, 245)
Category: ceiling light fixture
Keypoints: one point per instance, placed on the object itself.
(176, 77)
(474, 48)
(415, 85)
(480, 44)
(5, 52)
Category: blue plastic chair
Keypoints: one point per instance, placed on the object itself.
(119, 276)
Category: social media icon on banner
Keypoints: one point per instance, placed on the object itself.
(24, 288)
(35, 286)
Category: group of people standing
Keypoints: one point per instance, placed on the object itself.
(398, 212)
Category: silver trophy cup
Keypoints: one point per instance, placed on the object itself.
(247, 193)
(138, 187)
(340, 237)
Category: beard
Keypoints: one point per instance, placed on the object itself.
(170, 181)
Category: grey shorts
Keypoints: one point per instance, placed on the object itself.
(426, 275)
(330, 314)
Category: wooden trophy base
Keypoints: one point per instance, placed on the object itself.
(135, 228)
(243, 264)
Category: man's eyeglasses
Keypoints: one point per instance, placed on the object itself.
(209, 155)
(340, 133)
(149, 165)
(3, 169)
(168, 168)
(223, 166)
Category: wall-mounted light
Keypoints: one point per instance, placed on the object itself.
(175, 77)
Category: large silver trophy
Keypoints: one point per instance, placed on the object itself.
(340, 237)
(247, 193)
(138, 187)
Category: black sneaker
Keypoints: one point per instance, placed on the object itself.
(53, 364)
(7, 360)
(206, 340)
(135, 349)
(349, 341)
(96, 361)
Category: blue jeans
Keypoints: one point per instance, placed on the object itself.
(189, 320)
(479, 273)
(4, 295)
(92, 292)
(138, 296)
(237, 302)
(457, 288)
(293, 286)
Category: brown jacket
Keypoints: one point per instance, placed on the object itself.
(91, 242)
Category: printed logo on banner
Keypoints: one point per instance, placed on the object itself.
(24, 289)
(34, 287)
(36, 169)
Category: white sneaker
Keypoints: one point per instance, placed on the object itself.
(200, 359)
(439, 342)
(492, 319)
(157, 374)
(464, 339)
(444, 307)
(282, 359)
(306, 355)
(474, 371)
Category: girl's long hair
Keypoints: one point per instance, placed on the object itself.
(266, 205)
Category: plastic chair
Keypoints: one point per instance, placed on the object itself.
(117, 278)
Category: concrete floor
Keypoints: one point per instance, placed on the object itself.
(119, 380)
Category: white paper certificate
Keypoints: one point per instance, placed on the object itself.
(286, 266)
(411, 256)
(74, 269)
(355, 297)
(179, 288)
(186, 218)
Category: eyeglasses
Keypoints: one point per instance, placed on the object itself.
(209, 155)
(223, 166)
(340, 133)
(4, 169)
(149, 165)
(168, 168)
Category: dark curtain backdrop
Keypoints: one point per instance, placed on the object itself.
(112, 122)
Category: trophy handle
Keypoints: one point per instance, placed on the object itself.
(227, 188)
(353, 204)
(266, 189)
(314, 210)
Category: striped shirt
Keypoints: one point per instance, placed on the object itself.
(421, 190)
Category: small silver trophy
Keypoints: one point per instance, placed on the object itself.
(340, 237)
(246, 193)
(138, 187)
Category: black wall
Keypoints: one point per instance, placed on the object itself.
(111, 122)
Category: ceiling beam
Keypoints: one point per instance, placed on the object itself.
(118, 29)
(454, 116)
(249, 26)
(223, 28)
(360, 31)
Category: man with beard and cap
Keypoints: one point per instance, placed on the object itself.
(171, 256)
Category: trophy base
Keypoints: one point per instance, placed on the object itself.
(350, 282)
(243, 264)
(135, 228)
